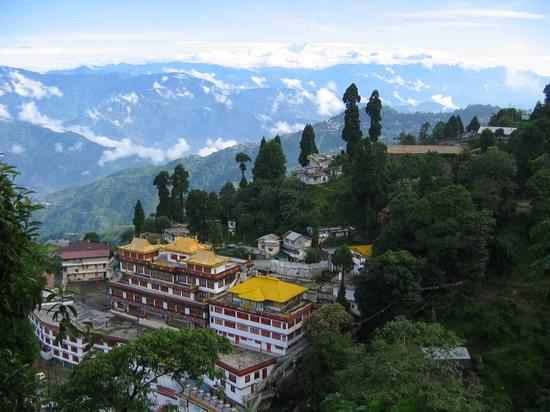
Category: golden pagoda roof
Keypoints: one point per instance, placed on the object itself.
(140, 245)
(261, 288)
(207, 258)
(186, 245)
(364, 250)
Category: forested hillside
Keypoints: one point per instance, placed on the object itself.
(111, 199)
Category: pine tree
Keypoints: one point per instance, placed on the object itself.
(424, 133)
(374, 107)
(162, 182)
(270, 164)
(139, 218)
(474, 125)
(307, 145)
(351, 133)
(341, 297)
(180, 186)
(242, 159)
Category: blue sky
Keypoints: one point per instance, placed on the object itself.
(47, 34)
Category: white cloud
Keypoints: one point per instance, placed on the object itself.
(409, 101)
(419, 85)
(178, 150)
(283, 127)
(390, 80)
(165, 92)
(327, 103)
(215, 145)
(30, 113)
(4, 113)
(521, 80)
(25, 87)
(132, 98)
(331, 86)
(445, 101)
(211, 77)
(258, 80)
(59, 147)
(77, 146)
(292, 83)
(16, 149)
(93, 114)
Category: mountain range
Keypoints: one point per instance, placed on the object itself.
(159, 112)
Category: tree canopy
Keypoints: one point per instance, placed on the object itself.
(351, 133)
(307, 145)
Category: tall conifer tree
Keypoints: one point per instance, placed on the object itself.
(162, 182)
(180, 186)
(351, 133)
(307, 145)
(374, 107)
(139, 218)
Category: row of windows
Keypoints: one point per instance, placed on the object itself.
(245, 339)
(66, 356)
(258, 319)
(171, 307)
(251, 329)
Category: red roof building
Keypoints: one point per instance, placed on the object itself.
(84, 261)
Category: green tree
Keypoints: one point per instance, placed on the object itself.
(342, 259)
(331, 317)
(538, 188)
(162, 182)
(374, 107)
(242, 158)
(505, 117)
(180, 186)
(406, 139)
(91, 237)
(424, 136)
(368, 186)
(270, 164)
(474, 125)
(314, 255)
(540, 249)
(161, 223)
(487, 139)
(490, 177)
(396, 374)
(390, 282)
(454, 127)
(351, 133)
(438, 132)
(139, 218)
(307, 145)
(228, 199)
(120, 380)
(22, 262)
(341, 296)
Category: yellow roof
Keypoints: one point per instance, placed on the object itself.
(364, 250)
(207, 258)
(186, 245)
(261, 288)
(140, 246)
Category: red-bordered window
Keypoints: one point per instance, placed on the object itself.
(254, 318)
(242, 315)
(266, 321)
(229, 312)
(229, 324)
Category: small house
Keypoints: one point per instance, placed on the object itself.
(269, 244)
(295, 245)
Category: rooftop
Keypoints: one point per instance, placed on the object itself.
(106, 323)
(186, 245)
(458, 353)
(262, 288)
(241, 359)
(139, 245)
(207, 258)
(364, 250)
(84, 249)
(291, 235)
(421, 149)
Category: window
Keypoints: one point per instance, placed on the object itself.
(266, 321)
(218, 321)
(242, 315)
(217, 309)
(276, 324)
(228, 312)
(257, 375)
(75, 358)
(232, 378)
(265, 333)
(244, 328)
(247, 378)
(276, 336)
(255, 331)
(254, 318)
(232, 389)
(229, 324)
